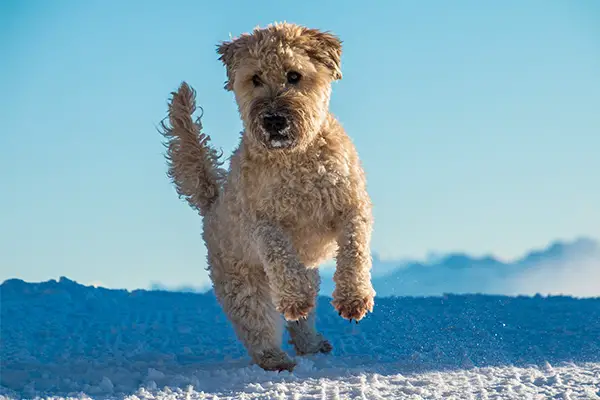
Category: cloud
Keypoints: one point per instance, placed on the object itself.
(579, 277)
(567, 268)
(563, 268)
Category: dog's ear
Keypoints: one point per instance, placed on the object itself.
(326, 48)
(227, 52)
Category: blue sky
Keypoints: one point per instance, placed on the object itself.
(478, 124)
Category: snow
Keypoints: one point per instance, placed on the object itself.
(61, 339)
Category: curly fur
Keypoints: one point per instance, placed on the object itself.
(194, 166)
(278, 212)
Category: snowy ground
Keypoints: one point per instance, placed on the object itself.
(62, 339)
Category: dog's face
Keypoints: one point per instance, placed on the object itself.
(281, 76)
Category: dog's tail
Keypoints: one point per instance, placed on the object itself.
(193, 165)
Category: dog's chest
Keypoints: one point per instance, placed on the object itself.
(310, 194)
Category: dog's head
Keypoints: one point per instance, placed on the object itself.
(281, 76)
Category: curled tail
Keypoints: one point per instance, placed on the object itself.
(193, 165)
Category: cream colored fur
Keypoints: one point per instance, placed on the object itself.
(280, 210)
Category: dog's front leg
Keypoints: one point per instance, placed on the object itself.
(292, 289)
(353, 296)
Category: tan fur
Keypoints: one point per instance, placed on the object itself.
(278, 212)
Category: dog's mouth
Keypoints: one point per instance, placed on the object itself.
(280, 140)
(277, 131)
(278, 137)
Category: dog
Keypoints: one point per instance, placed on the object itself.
(294, 194)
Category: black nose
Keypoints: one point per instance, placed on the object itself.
(274, 123)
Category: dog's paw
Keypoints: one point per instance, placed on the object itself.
(353, 308)
(275, 360)
(295, 309)
(313, 343)
(325, 347)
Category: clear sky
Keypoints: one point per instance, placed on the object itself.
(478, 124)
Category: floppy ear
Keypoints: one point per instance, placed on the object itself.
(226, 51)
(229, 55)
(326, 48)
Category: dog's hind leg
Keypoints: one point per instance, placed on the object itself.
(243, 292)
(304, 336)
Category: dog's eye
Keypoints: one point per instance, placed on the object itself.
(293, 77)
(256, 80)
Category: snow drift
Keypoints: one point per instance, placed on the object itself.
(62, 338)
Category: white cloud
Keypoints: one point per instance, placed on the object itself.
(577, 277)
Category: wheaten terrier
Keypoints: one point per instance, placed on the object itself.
(294, 195)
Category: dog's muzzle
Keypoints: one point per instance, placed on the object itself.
(277, 130)
(274, 124)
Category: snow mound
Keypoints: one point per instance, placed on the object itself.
(65, 339)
